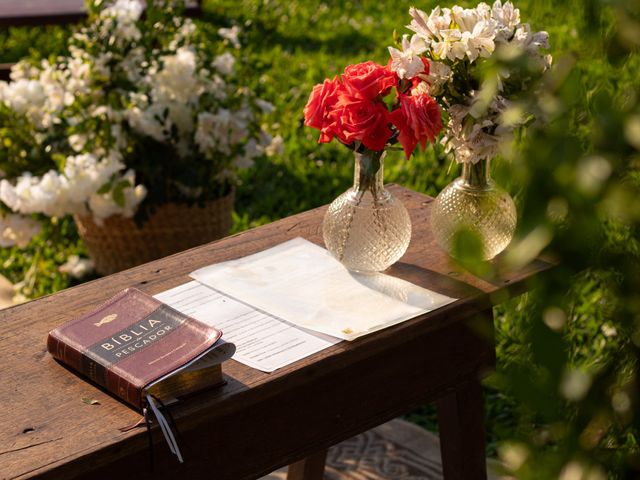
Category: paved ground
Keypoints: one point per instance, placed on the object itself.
(396, 450)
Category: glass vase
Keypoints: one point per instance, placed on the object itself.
(366, 227)
(475, 203)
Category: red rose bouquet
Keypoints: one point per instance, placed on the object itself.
(357, 109)
(369, 108)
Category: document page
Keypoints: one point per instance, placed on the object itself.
(303, 284)
(262, 341)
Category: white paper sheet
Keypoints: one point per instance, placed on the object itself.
(262, 341)
(302, 283)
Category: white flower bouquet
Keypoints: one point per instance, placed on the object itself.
(141, 110)
(480, 61)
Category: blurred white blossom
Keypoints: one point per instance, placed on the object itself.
(231, 34)
(225, 63)
(125, 13)
(17, 230)
(132, 100)
(77, 267)
(103, 205)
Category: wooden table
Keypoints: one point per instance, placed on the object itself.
(258, 422)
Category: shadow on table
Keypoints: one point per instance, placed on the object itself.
(435, 281)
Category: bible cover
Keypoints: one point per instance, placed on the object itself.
(129, 342)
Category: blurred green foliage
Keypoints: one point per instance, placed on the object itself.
(565, 394)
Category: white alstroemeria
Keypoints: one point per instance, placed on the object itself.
(231, 34)
(471, 144)
(457, 44)
(529, 41)
(540, 39)
(481, 40)
(430, 27)
(465, 18)
(439, 75)
(507, 18)
(451, 46)
(225, 64)
(420, 89)
(407, 62)
(77, 267)
(17, 230)
(468, 134)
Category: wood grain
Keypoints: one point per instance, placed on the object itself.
(257, 422)
(461, 422)
(311, 468)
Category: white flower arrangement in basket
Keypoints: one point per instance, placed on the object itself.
(142, 109)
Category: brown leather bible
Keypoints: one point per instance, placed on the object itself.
(134, 345)
(144, 352)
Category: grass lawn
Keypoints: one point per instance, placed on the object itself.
(293, 45)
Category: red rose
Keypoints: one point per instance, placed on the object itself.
(321, 102)
(360, 119)
(418, 120)
(368, 80)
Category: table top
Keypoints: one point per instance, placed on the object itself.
(49, 432)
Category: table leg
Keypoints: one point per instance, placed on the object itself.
(310, 468)
(461, 422)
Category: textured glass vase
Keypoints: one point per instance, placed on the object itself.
(366, 227)
(475, 203)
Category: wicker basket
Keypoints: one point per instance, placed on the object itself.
(120, 244)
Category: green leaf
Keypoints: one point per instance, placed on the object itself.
(59, 159)
(104, 188)
(118, 192)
